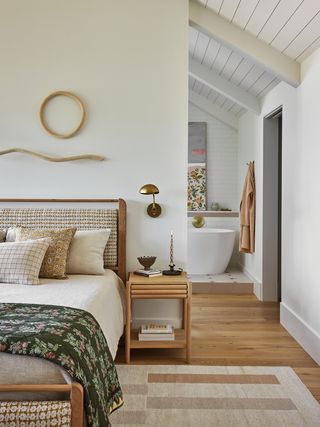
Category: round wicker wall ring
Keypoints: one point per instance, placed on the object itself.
(44, 122)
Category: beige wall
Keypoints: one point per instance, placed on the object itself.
(128, 61)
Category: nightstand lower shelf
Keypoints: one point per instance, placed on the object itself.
(180, 341)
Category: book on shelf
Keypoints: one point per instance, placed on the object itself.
(156, 337)
(156, 328)
(148, 273)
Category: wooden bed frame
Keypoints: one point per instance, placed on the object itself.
(75, 389)
(76, 396)
(120, 269)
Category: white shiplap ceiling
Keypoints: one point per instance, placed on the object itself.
(289, 26)
(229, 64)
(215, 97)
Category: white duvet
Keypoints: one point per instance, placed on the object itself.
(102, 296)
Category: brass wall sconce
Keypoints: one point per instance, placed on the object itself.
(154, 210)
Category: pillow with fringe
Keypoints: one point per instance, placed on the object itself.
(55, 260)
(3, 234)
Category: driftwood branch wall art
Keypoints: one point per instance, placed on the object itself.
(51, 158)
(43, 120)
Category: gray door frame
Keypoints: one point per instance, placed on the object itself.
(271, 229)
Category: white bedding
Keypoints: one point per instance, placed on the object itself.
(102, 296)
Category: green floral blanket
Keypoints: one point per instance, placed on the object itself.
(71, 338)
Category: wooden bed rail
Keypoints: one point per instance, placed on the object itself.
(75, 390)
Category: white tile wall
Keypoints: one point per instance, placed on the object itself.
(222, 163)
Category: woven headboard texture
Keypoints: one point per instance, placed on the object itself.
(83, 219)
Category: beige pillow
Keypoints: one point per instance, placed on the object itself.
(86, 252)
(3, 234)
(20, 262)
(55, 260)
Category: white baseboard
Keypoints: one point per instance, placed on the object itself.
(257, 290)
(306, 336)
(257, 286)
(138, 321)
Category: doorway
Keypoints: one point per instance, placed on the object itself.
(272, 197)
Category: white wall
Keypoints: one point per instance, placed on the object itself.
(301, 203)
(250, 148)
(222, 173)
(128, 61)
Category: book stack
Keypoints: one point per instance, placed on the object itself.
(148, 273)
(155, 332)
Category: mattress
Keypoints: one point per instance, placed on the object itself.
(102, 296)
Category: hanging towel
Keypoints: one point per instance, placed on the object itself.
(247, 212)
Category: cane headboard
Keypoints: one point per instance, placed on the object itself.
(82, 218)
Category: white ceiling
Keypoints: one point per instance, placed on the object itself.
(230, 65)
(290, 26)
(215, 97)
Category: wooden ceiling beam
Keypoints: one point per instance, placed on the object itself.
(208, 22)
(213, 109)
(213, 80)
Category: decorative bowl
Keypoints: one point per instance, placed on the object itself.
(147, 261)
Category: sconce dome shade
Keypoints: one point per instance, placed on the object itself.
(149, 189)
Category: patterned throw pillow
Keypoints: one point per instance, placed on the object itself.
(55, 260)
(20, 262)
(3, 234)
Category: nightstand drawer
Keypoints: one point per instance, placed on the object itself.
(159, 291)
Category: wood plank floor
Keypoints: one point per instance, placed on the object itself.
(237, 330)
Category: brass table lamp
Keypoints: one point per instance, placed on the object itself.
(154, 210)
(172, 271)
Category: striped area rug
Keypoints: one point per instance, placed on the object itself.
(191, 396)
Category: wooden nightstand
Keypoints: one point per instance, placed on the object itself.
(160, 287)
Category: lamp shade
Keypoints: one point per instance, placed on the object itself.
(149, 189)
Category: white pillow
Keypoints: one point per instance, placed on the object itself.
(11, 234)
(20, 262)
(86, 252)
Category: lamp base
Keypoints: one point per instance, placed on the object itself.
(172, 272)
(154, 210)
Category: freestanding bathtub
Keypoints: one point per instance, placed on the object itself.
(209, 250)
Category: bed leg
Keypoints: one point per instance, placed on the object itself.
(76, 405)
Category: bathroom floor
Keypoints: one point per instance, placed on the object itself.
(232, 281)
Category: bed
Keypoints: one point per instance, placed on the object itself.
(25, 377)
